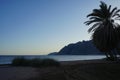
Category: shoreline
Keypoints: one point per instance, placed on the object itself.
(64, 61)
(86, 61)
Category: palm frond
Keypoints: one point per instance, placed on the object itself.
(113, 10)
(91, 21)
(93, 27)
(109, 8)
(117, 17)
(95, 15)
(95, 18)
(116, 25)
(116, 13)
(103, 5)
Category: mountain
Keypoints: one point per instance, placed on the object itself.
(80, 48)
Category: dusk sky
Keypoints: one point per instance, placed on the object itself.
(43, 26)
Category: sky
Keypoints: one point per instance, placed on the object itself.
(38, 27)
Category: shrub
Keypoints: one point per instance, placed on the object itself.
(50, 62)
(20, 62)
(35, 62)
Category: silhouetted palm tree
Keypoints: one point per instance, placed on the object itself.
(106, 32)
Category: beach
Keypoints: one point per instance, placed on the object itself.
(69, 70)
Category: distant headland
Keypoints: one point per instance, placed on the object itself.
(79, 48)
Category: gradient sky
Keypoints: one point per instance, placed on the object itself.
(43, 26)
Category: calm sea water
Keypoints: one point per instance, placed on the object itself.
(8, 59)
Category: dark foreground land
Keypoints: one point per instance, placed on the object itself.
(71, 70)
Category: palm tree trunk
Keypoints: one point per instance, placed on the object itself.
(112, 58)
(115, 54)
(118, 50)
(107, 56)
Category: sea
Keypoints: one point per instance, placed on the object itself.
(7, 59)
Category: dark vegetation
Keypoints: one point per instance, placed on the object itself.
(105, 30)
(35, 62)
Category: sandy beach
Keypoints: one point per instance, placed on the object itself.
(16, 73)
(69, 70)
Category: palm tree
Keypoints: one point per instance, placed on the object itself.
(106, 31)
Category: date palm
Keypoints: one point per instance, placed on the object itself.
(105, 29)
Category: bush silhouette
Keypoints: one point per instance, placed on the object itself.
(50, 62)
(35, 62)
(20, 62)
